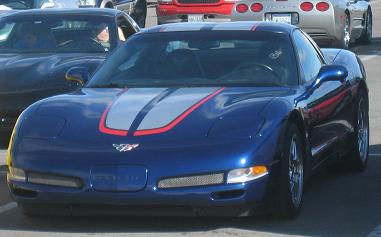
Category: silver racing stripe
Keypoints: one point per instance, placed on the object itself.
(125, 109)
(173, 106)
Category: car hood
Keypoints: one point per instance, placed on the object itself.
(136, 114)
(27, 78)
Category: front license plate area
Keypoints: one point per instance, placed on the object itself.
(118, 178)
(195, 18)
(281, 18)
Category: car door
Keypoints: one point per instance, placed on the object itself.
(322, 105)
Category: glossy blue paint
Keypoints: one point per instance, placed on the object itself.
(238, 127)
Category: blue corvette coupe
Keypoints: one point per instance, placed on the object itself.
(194, 118)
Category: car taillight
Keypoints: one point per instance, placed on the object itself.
(322, 6)
(241, 8)
(256, 7)
(306, 6)
(166, 2)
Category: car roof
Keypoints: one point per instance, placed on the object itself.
(61, 11)
(224, 26)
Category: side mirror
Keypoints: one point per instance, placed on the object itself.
(330, 73)
(79, 75)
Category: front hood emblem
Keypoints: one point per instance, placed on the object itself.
(125, 147)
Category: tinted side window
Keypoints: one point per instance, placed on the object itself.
(309, 59)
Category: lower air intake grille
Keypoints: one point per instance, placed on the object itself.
(189, 181)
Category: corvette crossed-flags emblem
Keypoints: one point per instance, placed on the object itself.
(125, 147)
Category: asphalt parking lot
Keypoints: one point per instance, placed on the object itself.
(336, 204)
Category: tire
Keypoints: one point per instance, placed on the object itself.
(366, 35)
(140, 13)
(291, 186)
(346, 35)
(359, 151)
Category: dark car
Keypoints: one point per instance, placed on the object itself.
(37, 47)
(137, 9)
(194, 119)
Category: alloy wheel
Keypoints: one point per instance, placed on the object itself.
(296, 172)
(362, 130)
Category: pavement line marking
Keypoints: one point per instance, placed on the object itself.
(8, 207)
(376, 232)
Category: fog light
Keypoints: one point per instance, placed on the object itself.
(189, 181)
(54, 180)
(16, 174)
(246, 174)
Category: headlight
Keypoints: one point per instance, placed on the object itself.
(87, 3)
(246, 174)
(16, 174)
(10, 146)
(9, 158)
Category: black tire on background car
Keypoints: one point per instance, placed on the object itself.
(346, 34)
(366, 35)
(140, 13)
(359, 150)
(290, 199)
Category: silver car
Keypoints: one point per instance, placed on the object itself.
(337, 22)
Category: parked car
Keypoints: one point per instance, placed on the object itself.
(37, 47)
(337, 22)
(172, 11)
(162, 128)
(137, 9)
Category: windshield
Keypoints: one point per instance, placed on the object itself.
(57, 34)
(200, 59)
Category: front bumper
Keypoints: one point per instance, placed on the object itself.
(175, 14)
(196, 156)
(228, 200)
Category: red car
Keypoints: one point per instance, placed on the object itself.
(171, 11)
